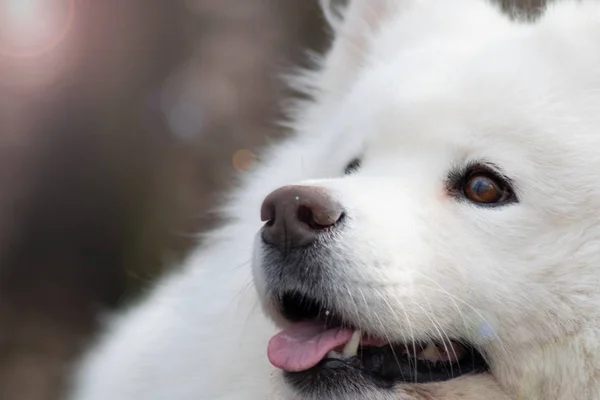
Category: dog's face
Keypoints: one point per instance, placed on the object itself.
(453, 219)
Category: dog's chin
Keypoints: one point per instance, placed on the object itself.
(336, 379)
(365, 367)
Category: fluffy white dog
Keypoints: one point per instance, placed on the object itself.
(431, 231)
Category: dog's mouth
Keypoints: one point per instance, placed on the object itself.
(317, 342)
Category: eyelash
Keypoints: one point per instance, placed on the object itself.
(352, 166)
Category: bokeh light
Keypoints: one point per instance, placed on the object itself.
(244, 160)
(180, 102)
(32, 28)
(482, 327)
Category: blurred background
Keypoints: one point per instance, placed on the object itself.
(121, 122)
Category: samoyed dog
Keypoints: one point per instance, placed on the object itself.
(430, 231)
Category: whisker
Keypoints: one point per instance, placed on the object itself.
(412, 335)
(443, 336)
(383, 330)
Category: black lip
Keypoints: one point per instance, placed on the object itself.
(391, 364)
(381, 368)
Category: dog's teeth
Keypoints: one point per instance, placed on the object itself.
(334, 354)
(351, 348)
(430, 353)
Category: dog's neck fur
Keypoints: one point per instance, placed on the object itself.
(565, 368)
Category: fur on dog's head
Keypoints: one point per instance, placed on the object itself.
(447, 104)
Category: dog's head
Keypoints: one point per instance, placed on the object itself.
(453, 220)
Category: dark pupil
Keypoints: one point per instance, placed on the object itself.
(484, 189)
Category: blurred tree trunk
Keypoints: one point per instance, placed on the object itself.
(78, 170)
(97, 185)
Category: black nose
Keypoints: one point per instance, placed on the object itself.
(296, 215)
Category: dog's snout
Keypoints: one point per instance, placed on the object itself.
(295, 215)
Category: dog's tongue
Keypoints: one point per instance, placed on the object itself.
(303, 345)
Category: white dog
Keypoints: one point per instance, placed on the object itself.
(432, 231)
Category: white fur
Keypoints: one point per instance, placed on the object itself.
(417, 88)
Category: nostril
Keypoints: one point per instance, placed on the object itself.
(317, 221)
(305, 215)
(270, 222)
(267, 213)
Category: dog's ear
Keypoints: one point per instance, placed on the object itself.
(354, 24)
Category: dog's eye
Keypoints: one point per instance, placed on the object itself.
(352, 167)
(484, 187)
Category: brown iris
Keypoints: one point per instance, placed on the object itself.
(482, 188)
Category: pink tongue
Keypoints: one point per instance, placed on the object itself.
(303, 345)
